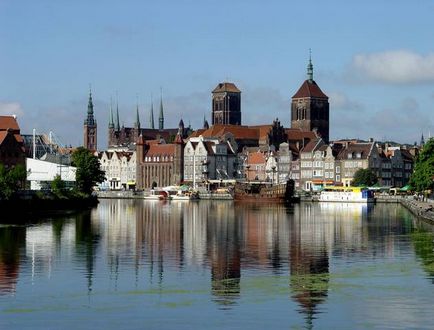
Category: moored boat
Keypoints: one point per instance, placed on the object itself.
(346, 195)
(264, 191)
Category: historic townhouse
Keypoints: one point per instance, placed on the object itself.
(358, 155)
(210, 159)
(119, 168)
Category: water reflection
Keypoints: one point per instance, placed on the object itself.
(221, 244)
(12, 240)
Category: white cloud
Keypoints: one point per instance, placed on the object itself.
(340, 101)
(11, 108)
(394, 67)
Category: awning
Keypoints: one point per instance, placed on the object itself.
(131, 183)
(405, 188)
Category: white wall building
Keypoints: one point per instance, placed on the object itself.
(41, 173)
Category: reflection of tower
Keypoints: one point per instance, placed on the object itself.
(12, 239)
(87, 239)
(224, 253)
(309, 264)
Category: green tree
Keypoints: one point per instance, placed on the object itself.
(422, 177)
(11, 180)
(58, 186)
(364, 177)
(88, 170)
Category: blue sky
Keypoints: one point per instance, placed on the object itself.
(374, 59)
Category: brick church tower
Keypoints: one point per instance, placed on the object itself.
(90, 132)
(226, 104)
(310, 107)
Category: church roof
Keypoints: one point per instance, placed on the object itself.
(226, 87)
(309, 89)
(8, 122)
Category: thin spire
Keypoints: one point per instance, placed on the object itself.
(90, 119)
(151, 115)
(90, 104)
(118, 127)
(137, 112)
(111, 121)
(422, 141)
(310, 67)
(161, 117)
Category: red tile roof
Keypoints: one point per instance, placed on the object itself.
(256, 158)
(226, 87)
(8, 122)
(3, 135)
(309, 89)
(161, 150)
(296, 134)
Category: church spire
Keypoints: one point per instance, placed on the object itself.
(111, 121)
(137, 115)
(161, 117)
(310, 67)
(422, 141)
(118, 127)
(151, 115)
(90, 120)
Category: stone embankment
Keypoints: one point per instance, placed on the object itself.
(422, 209)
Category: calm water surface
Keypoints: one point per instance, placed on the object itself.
(154, 265)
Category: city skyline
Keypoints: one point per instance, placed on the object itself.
(376, 66)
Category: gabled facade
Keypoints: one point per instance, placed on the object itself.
(119, 168)
(159, 164)
(210, 159)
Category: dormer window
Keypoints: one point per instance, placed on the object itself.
(359, 155)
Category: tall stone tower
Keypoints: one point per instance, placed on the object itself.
(90, 132)
(310, 107)
(226, 104)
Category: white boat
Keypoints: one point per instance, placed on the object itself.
(156, 195)
(184, 196)
(346, 195)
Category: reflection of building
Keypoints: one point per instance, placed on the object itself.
(309, 261)
(224, 239)
(12, 239)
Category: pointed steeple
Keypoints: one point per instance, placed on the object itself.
(118, 127)
(422, 141)
(205, 123)
(137, 123)
(90, 104)
(151, 115)
(310, 67)
(90, 120)
(161, 116)
(111, 121)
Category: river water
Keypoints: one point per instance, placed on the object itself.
(191, 265)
